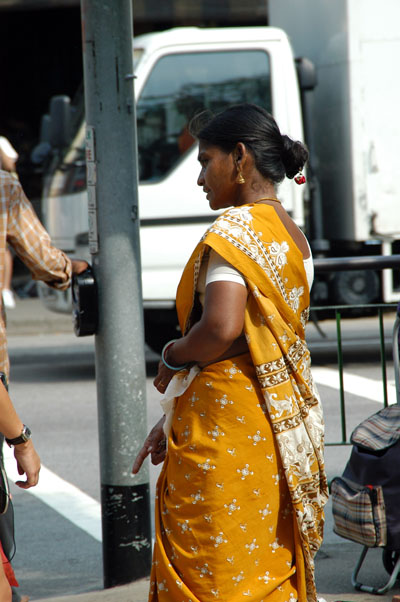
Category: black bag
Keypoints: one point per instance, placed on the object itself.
(6, 511)
(6, 508)
(375, 462)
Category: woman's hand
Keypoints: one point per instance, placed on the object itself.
(155, 444)
(163, 377)
(28, 462)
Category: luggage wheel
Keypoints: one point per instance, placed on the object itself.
(392, 579)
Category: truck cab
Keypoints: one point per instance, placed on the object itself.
(178, 73)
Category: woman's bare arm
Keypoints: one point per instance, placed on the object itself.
(220, 325)
(214, 336)
(11, 426)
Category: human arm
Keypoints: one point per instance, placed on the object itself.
(155, 445)
(5, 588)
(216, 335)
(28, 461)
(8, 155)
(7, 163)
(30, 240)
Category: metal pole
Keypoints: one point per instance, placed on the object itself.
(111, 154)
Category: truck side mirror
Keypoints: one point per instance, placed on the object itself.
(84, 303)
(306, 73)
(44, 135)
(41, 152)
(60, 121)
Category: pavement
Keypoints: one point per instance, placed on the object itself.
(31, 317)
(337, 557)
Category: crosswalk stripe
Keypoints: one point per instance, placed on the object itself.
(354, 384)
(63, 497)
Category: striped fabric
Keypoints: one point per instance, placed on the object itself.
(379, 431)
(359, 512)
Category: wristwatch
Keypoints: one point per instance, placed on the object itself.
(23, 438)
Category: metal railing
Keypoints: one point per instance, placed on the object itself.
(376, 263)
(371, 262)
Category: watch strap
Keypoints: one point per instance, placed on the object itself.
(23, 438)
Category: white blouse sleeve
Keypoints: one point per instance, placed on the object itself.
(220, 270)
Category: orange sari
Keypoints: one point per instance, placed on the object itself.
(239, 506)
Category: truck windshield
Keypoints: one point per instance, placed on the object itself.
(179, 86)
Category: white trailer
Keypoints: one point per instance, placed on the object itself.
(355, 48)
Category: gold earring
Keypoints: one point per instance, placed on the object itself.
(239, 178)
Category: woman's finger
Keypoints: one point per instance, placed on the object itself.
(140, 458)
(161, 386)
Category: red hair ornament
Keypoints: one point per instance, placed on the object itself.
(300, 178)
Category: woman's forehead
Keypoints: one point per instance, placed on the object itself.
(203, 146)
(206, 149)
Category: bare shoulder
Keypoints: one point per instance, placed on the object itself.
(294, 231)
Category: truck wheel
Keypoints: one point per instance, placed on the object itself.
(159, 328)
(355, 287)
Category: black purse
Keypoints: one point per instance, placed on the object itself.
(6, 508)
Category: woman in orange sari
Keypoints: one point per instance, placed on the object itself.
(239, 504)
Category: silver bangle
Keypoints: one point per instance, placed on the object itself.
(164, 361)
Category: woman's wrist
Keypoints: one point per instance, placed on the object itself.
(166, 357)
(23, 447)
(13, 432)
(23, 437)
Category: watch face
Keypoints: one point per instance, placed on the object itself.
(26, 434)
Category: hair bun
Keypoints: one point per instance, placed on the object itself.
(275, 156)
(294, 156)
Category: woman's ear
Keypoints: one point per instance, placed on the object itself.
(240, 154)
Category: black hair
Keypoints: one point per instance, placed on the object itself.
(275, 155)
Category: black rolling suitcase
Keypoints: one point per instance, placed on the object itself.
(365, 499)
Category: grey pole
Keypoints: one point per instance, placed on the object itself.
(111, 156)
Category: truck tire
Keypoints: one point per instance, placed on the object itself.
(358, 287)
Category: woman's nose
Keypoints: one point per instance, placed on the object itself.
(200, 179)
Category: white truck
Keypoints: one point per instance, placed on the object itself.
(352, 131)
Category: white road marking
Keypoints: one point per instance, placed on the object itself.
(63, 497)
(354, 384)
